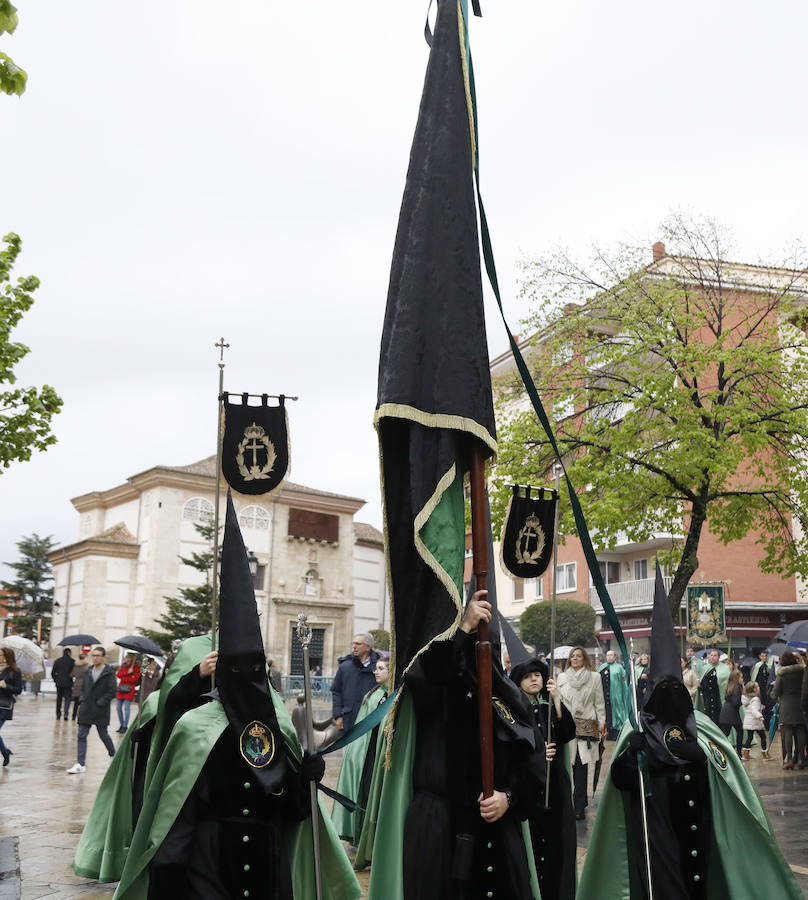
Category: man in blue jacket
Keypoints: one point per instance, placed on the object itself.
(353, 680)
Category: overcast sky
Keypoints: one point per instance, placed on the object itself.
(183, 171)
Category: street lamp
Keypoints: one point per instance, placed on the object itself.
(252, 562)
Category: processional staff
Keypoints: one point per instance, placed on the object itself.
(643, 807)
(479, 545)
(222, 346)
(557, 470)
(304, 636)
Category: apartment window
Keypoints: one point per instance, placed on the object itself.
(566, 579)
(640, 569)
(563, 408)
(518, 590)
(609, 571)
(539, 588)
(198, 510)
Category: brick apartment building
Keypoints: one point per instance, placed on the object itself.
(757, 604)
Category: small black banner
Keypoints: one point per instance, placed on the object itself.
(526, 545)
(255, 445)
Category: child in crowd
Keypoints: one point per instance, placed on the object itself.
(753, 719)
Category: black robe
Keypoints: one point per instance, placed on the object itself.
(711, 695)
(679, 826)
(185, 694)
(450, 853)
(227, 840)
(552, 831)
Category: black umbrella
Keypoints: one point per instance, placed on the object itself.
(139, 644)
(795, 632)
(776, 649)
(747, 662)
(76, 640)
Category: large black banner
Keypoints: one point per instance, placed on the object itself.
(255, 445)
(526, 545)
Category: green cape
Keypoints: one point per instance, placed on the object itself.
(382, 838)
(618, 691)
(185, 753)
(348, 825)
(105, 841)
(749, 861)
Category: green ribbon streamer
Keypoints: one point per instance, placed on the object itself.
(533, 394)
(361, 727)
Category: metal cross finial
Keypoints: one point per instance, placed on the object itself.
(303, 630)
(222, 347)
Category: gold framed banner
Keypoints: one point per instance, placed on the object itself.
(706, 615)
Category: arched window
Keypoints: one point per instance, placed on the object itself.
(198, 510)
(254, 517)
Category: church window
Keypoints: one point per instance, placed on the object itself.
(198, 510)
(254, 517)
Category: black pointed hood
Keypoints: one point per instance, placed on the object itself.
(241, 670)
(517, 651)
(667, 715)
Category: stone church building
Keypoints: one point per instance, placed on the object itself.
(309, 553)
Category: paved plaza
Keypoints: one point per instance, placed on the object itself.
(43, 810)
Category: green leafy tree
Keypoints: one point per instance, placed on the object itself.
(679, 392)
(381, 639)
(575, 624)
(25, 412)
(187, 614)
(31, 592)
(12, 77)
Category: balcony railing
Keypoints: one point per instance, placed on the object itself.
(629, 593)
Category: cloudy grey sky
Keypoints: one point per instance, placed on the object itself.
(183, 171)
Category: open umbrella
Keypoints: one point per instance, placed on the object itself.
(562, 652)
(30, 658)
(139, 644)
(77, 640)
(794, 632)
(701, 654)
(776, 649)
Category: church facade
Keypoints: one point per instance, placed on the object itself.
(114, 578)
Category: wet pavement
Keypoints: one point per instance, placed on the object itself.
(43, 810)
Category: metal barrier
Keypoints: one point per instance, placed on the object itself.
(292, 685)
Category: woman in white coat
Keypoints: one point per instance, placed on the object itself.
(582, 693)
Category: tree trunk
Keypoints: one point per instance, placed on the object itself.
(690, 561)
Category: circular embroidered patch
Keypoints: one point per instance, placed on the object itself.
(718, 756)
(502, 711)
(674, 736)
(257, 745)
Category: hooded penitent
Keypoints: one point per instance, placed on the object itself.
(666, 715)
(241, 670)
